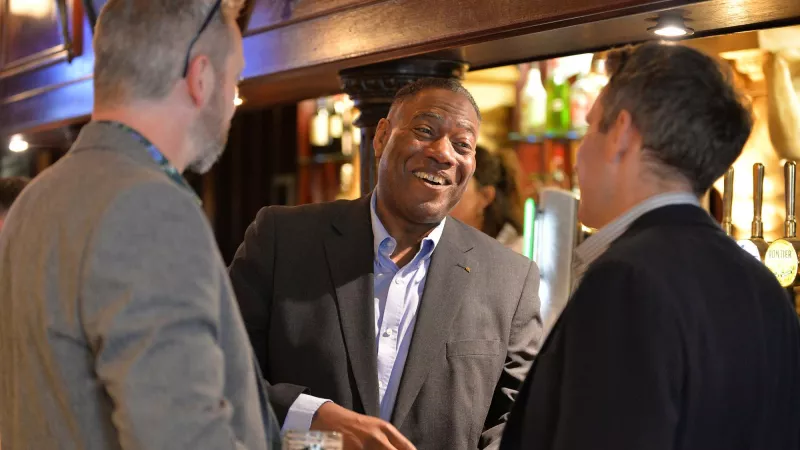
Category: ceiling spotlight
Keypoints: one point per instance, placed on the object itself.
(671, 24)
(17, 144)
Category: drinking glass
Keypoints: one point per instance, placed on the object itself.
(312, 440)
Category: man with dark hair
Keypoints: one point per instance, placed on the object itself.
(674, 337)
(10, 188)
(382, 318)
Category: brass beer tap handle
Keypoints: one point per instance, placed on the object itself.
(727, 202)
(790, 174)
(757, 230)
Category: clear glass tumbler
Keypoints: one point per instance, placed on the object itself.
(312, 440)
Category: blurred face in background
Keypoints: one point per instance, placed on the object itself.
(470, 209)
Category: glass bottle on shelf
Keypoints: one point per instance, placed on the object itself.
(534, 103)
(350, 134)
(585, 91)
(319, 133)
(558, 101)
(336, 126)
(597, 78)
(580, 104)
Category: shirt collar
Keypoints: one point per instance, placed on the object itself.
(594, 246)
(383, 242)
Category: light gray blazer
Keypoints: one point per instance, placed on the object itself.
(118, 324)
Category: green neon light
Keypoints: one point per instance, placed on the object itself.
(528, 228)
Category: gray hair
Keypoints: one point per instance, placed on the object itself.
(140, 46)
(693, 121)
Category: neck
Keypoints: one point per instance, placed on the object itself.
(408, 235)
(158, 124)
(643, 189)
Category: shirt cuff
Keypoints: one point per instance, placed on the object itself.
(301, 413)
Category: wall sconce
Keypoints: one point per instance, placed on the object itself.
(671, 24)
(17, 144)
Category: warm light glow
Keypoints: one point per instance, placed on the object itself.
(17, 144)
(37, 9)
(671, 31)
(237, 101)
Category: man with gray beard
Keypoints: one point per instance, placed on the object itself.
(119, 326)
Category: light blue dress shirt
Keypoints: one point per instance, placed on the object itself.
(397, 296)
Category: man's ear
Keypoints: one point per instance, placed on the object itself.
(381, 138)
(624, 136)
(200, 80)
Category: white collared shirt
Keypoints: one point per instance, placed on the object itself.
(597, 244)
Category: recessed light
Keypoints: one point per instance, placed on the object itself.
(671, 24)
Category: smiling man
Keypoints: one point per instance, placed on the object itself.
(382, 318)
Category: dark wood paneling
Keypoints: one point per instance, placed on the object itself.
(508, 31)
(707, 18)
(32, 34)
(52, 94)
(300, 58)
(261, 147)
(48, 107)
(269, 14)
(388, 29)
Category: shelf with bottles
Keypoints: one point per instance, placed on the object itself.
(554, 99)
(327, 154)
(556, 96)
(332, 135)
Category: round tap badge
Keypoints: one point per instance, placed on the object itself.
(748, 246)
(781, 259)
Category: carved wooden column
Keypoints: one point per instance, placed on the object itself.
(373, 87)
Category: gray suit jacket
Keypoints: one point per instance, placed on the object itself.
(304, 281)
(118, 324)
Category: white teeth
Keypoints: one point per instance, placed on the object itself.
(430, 177)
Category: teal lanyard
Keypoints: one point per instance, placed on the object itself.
(157, 156)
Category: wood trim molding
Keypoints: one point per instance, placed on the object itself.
(62, 52)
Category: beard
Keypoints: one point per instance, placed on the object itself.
(209, 134)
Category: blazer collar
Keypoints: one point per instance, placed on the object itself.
(103, 136)
(674, 215)
(348, 250)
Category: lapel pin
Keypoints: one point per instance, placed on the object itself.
(467, 269)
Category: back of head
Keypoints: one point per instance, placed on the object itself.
(10, 189)
(142, 47)
(692, 120)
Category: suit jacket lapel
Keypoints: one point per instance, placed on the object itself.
(448, 281)
(349, 252)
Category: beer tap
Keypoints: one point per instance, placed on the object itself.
(727, 202)
(781, 257)
(756, 245)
